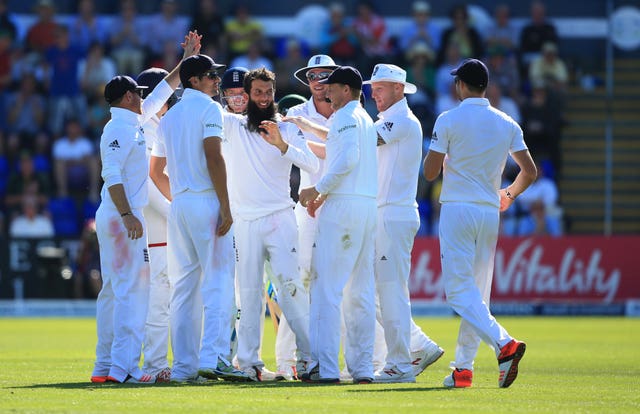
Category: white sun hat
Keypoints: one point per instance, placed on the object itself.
(316, 61)
(384, 72)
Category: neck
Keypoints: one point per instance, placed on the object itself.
(323, 107)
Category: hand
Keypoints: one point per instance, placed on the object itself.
(133, 226)
(272, 135)
(191, 44)
(314, 205)
(505, 202)
(224, 222)
(299, 121)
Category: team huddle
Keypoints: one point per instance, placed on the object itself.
(196, 216)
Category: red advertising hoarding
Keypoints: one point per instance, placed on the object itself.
(544, 269)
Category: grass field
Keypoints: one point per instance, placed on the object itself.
(571, 365)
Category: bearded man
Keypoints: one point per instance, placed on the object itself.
(261, 151)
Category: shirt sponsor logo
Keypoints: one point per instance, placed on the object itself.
(213, 126)
(344, 128)
(114, 144)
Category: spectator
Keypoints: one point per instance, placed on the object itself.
(504, 72)
(287, 66)
(65, 97)
(461, 34)
(542, 126)
(210, 24)
(338, 38)
(27, 109)
(42, 34)
(444, 102)
(444, 80)
(242, 32)
(163, 28)
(543, 216)
(549, 68)
(75, 162)
(95, 70)
(98, 113)
(421, 29)
(86, 28)
(126, 45)
(535, 34)
(421, 70)
(42, 153)
(371, 31)
(26, 182)
(30, 223)
(253, 59)
(502, 34)
(168, 59)
(503, 103)
(88, 281)
(6, 54)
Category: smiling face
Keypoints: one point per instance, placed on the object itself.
(318, 90)
(386, 94)
(262, 93)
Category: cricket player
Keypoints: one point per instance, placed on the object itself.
(473, 141)
(262, 153)
(121, 307)
(156, 335)
(317, 109)
(199, 243)
(344, 253)
(232, 88)
(399, 157)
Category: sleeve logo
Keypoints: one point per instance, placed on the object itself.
(114, 144)
(387, 126)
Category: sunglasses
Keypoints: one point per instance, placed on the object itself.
(312, 76)
(211, 75)
(138, 92)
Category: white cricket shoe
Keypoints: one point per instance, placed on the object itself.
(424, 357)
(391, 374)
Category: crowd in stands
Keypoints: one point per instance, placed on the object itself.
(53, 110)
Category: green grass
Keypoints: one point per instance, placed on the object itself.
(571, 365)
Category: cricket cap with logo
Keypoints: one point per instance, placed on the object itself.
(472, 72)
(233, 77)
(118, 86)
(197, 65)
(384, 72)
(345, 75)
(317, 61)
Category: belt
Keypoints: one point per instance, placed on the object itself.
(163, 244)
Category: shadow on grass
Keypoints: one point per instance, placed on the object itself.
(242, 385)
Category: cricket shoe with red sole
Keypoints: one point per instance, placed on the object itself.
(459, 378)
(99, 379)
(508, 360)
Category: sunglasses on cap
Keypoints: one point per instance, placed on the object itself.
(312, 76)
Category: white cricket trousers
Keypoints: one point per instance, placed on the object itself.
(468, 238)
(285, 339)
(156, 331)
(121, 307)
(274, 237)
(199, 272)
(395, 232)
(343, 274)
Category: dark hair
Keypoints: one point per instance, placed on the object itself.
(262, 74)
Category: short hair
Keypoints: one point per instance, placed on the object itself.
(262, 74)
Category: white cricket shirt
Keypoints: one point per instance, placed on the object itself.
(476, 139)
(308, 110)
(260, 171)
(182, 132)
(123, 149)
(399, 158)
(350, 165)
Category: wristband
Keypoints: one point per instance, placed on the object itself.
(128, 213)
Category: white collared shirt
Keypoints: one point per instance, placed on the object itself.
(350, 164)
(476, 139)
(399, 158)
(180, 139)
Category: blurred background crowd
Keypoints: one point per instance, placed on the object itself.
(53, 71)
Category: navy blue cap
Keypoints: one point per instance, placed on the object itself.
(233, 78)
(345, 75)
(118, 86)
(197, 65)
(472, 72)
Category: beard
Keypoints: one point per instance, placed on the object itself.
(255, 115)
